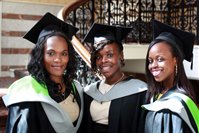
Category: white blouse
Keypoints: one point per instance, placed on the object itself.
(70, 107)
(100, 110)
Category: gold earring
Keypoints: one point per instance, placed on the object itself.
(176, 67)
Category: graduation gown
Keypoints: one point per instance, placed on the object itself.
(174, 112)
(125, 109)
(32, 110)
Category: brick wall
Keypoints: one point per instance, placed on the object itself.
(16, 19)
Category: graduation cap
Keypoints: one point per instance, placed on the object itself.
(102, 32)
(48, 25)
(179, 38)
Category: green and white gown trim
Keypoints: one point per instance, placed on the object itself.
(165, 103)
(27, 89)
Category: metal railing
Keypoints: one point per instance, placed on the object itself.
(182, 14)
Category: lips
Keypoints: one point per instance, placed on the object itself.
(155, 73)
(57, 67)
(105, 68)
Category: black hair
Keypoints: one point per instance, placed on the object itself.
(38, 71)
(180, 79)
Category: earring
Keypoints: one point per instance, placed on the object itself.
(65, 72)
(176, 67)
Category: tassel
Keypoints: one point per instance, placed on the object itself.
(192, 63)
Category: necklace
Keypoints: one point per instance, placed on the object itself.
(104, 91)
(119, 79)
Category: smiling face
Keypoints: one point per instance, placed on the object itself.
(162, 63)
(56, 57)
(108, 62)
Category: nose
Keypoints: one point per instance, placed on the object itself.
(104, 59)
(57, 58)
(153, 64)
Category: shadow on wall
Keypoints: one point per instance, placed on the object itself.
(20, 73)
(5, 82)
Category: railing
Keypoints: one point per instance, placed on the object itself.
(135, 13)
(138, 14)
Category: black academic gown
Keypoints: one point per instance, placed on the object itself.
(169, 115)
(29, 116)
(125, 114)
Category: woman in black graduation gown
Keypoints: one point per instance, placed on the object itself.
(173, 108)
(113, 104)
(49, 100)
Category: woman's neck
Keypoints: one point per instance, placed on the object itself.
(58, 80)
(118, 78)
(167, 85)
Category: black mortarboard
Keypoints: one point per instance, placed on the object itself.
(182, 39)
(99, 32)
(47, 25)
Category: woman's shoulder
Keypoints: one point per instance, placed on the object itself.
(177, 103)
(24, 81)
(133, 82)
(28, 77)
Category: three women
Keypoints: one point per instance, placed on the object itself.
(37, 103)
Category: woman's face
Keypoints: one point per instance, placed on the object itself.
(56, 56)
(162, 63)
(108, 61)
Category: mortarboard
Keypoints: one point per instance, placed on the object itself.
(100, 32)
(181, 39)
(47, 25)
